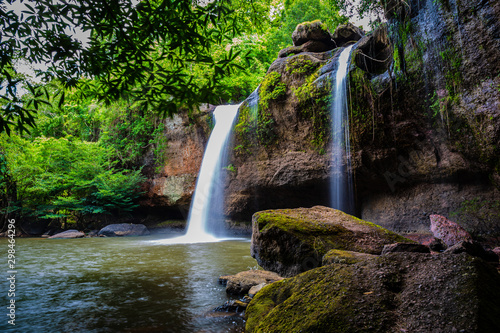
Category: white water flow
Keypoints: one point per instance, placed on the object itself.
(341, 187)
(206, 214)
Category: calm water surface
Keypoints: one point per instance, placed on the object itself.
(121, 285)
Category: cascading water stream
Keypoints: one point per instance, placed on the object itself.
(206, 214)
(341, 187)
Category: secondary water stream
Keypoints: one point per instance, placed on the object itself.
(122, 285)
(341, 185)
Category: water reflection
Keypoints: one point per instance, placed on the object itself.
(122, 285)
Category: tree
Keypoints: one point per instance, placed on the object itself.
(142, 52)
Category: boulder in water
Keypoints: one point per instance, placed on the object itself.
(124, 229)
(72, 233)
(291, 241)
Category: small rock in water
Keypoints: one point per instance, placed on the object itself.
(241, 283)
(69, 234)
(255, 289)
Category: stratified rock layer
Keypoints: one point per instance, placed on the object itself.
(291, 241)
(399, 292)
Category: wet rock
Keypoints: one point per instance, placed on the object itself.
(241, 283)
(398, 292)
(448, 231)
(255, 289)
(312, 31)
(234, 306)
(405, 247)
(291, 50)
(291, 241)
(474, 249)
(124, 229)
(374, 52)
(68, 234)
(345, 257)
(346, 33)
(437, 245)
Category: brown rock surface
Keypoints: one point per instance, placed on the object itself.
(291, 241)
(241, 283)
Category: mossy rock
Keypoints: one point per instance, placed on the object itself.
(345, 257)
(291, 241)
(400, 292)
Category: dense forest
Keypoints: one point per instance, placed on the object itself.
(73, 128)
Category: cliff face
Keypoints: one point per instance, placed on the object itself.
(169, 188)
(425, 133)
(441, 129)
(425, 125)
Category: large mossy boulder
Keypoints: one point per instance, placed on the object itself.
(124, 229)
(399, 292)
(291, 241)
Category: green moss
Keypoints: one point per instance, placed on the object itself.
(452, 63)
(314, 100)
(322, 236)
(301, 65)
(271, 89)
(304, 303)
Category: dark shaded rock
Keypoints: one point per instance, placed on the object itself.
(291, 241)
(346, 33)
(234, 306)
(474, 249)
(345, 257)
(437, 245)
(394, 8)
(124, 229)
(68, 234)
(399, 292)
(312, 31)
(291, 50)
(405, 247)
(374, 52)
(240, 284)
(448, 231)
(93, 233)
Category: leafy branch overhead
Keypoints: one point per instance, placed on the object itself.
(142, 53)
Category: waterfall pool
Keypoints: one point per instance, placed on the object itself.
(130, 284)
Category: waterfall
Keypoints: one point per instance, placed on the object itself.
(341, 188)
(206, 215)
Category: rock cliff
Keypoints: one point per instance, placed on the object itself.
(425, 123)
(425, 129)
